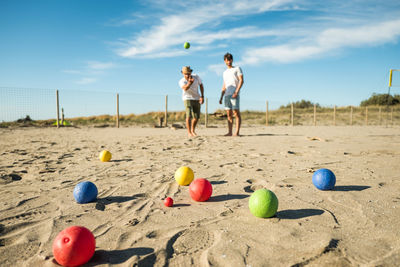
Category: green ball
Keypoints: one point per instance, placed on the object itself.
(186, 45)
(263, 203)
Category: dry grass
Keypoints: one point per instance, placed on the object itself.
(324, 116)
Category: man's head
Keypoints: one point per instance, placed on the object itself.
(228, 58)
(186, 71)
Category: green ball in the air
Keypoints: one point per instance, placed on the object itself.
(186, 45)
(263, 203)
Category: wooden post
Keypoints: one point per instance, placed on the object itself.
(62, 116)
(334, 115)
(391, 116)
(206, 115)
(380, 115)
(166, 110)
(351, 115)
(366, 115)
(292, 114)
(58, 110)
(315, 114)
(117, 110)
(266, 114)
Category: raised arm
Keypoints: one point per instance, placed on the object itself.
(186, 86)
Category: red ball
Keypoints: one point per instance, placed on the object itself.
(168, 202)
(200, 190)
(74, 246)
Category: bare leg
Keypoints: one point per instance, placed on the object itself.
(230, 122)
(188, 127)
(236, 112)
(194, 123)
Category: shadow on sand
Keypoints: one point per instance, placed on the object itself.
(266, 134)
(181, 205)
(121, 160)
(102, 202)
(226, 197)
(218, 182)
(350, 187)
(297, 214)
(102, 257)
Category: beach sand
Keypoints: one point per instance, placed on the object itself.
(357, 223)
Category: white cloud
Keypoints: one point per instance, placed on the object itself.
(324, 42)
(321, 29)
(96, 65)
(72, 71)
(176, 29)
(374, 34)
(217, 68)
(91, 72)
(86, 80)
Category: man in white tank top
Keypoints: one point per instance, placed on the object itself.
(233, 81)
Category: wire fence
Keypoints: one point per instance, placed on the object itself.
(42, 104)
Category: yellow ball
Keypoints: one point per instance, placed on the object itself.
(105, 156)
(184, 175)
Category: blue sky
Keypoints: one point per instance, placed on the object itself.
(330, 52)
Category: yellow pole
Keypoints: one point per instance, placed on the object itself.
(390, 78)
(58, 110)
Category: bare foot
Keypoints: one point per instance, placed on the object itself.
(228, 134)
(238, 135)
(194, 134)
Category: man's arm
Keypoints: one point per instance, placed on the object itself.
(189, 83)
(241, 81)
(222, 93)
(202, 94)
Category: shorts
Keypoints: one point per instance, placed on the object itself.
(231, 103)
(192, 108)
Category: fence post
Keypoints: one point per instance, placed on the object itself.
(351, 115)
(315, 114)
(391, 116)
(366, 115)
(166, 110)
(380, 115)
(334, 115)
(117, 110)
(206, 115)
(292, 113)
(58, 110)
(266, 114)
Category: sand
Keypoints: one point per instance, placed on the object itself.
(355, 224)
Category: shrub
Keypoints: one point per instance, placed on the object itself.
(300, 104)
(381, 100)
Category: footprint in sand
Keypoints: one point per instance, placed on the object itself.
(9, 178)
(255, 184)
(66, 155)
(133, 222)
(226, 212)
(35, 215)
(192, 241)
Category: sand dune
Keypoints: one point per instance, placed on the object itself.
(355, 224)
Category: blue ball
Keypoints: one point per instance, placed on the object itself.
(85, 192)
(324, 179)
